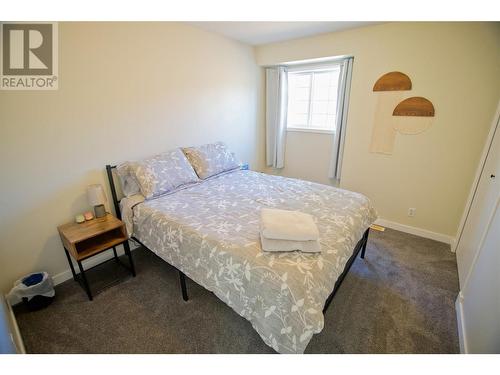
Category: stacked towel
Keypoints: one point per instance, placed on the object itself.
(283, 230)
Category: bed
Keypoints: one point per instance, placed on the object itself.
(209, 231)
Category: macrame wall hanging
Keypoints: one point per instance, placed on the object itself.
(395, 114)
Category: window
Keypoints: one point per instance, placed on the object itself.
(312, 98)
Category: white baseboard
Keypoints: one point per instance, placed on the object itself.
(461, 324)
(416, 231)
(66, 274)
(453, 245)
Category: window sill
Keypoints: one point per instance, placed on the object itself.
(306, 130)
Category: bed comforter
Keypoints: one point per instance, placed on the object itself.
(210, 232)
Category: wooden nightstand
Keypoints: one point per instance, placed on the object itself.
(82, 241)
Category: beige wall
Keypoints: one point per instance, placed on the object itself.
(456, 66)
(130, 90)
(126, 90)
(307, 156)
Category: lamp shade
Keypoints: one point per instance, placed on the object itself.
(95, 195)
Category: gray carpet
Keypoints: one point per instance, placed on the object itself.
(399, 299)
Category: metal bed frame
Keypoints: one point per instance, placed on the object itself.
(360, 247)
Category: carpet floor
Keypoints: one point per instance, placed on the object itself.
(399, 299)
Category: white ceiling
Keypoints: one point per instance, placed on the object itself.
(256, 33)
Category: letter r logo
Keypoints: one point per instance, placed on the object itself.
(27, 49)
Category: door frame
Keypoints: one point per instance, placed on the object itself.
(487, 145)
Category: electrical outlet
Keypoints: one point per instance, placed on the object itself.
(411, 212)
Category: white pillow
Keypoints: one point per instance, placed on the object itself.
(128, 182)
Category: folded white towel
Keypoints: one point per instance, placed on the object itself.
(285, 245)
(287, 225)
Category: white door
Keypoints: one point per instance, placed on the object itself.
(481, 294)
(478, 258)
(481, 209)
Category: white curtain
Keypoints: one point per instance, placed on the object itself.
(276, 111)
(344, 89)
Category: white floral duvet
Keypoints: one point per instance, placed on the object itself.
(210, 231)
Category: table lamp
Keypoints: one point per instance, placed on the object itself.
(97, 198)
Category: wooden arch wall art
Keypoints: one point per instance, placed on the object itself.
(393, 81)
(395, 114)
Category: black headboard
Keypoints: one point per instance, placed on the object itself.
(111, 180)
